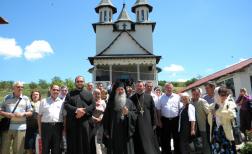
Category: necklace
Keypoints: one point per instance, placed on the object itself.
(141, 105)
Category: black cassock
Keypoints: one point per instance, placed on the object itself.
(144, 138)
(78, 130)
(118, 130)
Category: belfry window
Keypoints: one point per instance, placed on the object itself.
(105, 16)
(142, 14)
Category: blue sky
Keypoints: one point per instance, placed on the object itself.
(47, 38)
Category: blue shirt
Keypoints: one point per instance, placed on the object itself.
(209, 99)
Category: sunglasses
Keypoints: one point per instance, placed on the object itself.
(55, 89)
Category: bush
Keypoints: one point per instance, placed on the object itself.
(247, 149)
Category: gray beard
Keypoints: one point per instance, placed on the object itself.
(120, 101)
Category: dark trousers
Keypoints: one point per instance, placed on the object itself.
(169, 130)
(245, 120)
(51, 134)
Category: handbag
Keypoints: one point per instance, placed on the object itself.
(236, 132)
(5, 122)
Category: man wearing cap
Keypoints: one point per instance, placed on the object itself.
(119, 122)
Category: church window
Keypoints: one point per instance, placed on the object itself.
(142, 13)
(137, 15)
(147, 15)
(105, 16)
(110, 16)
(101, 16)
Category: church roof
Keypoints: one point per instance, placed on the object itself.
(123, 56)
(141, 3)
(104, 3)
(116, 38)
(123, 15)
(3, 21)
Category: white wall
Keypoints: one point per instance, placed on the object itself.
(143, 35)
(104, 36)
(124, 45)
(243, 81)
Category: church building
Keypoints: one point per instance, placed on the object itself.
(124, 47)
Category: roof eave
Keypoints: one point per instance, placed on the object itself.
(114, 10)
(133, 9)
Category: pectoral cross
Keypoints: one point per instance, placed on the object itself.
(142, 111)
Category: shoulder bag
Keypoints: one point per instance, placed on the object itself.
(5, 122)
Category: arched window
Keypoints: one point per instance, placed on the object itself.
(110, 16)
(142, 14)
(101, 16)
(147, 15)
(105, 16)
(138, 16)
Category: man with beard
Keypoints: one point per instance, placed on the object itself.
(79, 105)
(119, 122)
(144, 137)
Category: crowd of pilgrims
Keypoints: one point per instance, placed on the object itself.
(120, 119)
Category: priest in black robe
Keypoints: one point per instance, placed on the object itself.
(119, 122)
(145, 139)
(79, 105)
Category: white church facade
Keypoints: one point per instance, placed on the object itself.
(124, 48)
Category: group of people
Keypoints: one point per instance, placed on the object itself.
(122, 119)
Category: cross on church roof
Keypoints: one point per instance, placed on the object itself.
(124, 26)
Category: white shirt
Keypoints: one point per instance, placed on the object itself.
(51, 111)
(169, 105)
(191, 114)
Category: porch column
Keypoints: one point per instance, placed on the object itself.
(155, 74)
(110, 73)
(138, 72)
(94, 74)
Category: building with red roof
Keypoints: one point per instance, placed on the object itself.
(234, 77)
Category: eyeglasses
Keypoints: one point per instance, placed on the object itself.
(20, 87)
(55, 89)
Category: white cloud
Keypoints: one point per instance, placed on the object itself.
(9, 48)
(181, 80)
(240, 60)
(174, 68)
(37, 50)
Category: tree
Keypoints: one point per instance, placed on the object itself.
(6, 85)
(57, 81)
(188, 82)
(161, 83)
(70, 84)
(33, 85)
(43, 84)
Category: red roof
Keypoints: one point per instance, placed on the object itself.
(231, 69)
(3, 21)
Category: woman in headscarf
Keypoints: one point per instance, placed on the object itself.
(220, 120)
(187, 121)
